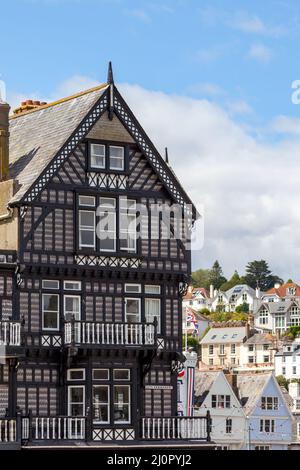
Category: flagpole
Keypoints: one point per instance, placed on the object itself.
(186, 336)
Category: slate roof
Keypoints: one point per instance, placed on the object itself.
(37, 136)
(250, 388)
(276, 307)
(203, 383)
(240, 289)
(225, 335)
(260, 338)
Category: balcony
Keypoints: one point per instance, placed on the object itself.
(176, 428)
(10, 433)
(108, 335)
(10, 333)
(56, 428)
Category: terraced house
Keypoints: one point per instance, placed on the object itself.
(91, 277)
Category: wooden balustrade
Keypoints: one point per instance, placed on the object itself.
(8, 430)
(176, 428)
(54, 428)
(110, 334)
(10, 333)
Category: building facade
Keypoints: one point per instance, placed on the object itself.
(287, 360)
(91, 327)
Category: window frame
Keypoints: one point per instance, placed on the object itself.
(83, 400)
(72, 296)
(107, 404)
(80, 229)
(49, 311)
(75, 370)
(107, 144)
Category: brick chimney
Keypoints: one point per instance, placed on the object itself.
(4, 135)
(28, 105)
(232, 380)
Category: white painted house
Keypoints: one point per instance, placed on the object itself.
(232, 298)
(277, 317)
(213, 392)
(258, 353)
(287, 360)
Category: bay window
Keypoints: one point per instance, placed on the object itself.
(128, 225)
(101, 403)
(122, 404)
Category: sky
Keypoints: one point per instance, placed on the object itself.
(214, 81)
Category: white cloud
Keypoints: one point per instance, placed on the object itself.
(285, 125)
(239, 107)
(260, 52)
(206, 89)
(139, 14)
(247, 187)
(247, 23)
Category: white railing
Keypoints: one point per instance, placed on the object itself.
(126, 334)
(56, 428)
(10, 333)
(178, 427)
(8, 430)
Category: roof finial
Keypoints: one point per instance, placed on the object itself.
(110, 75)
(166, 155)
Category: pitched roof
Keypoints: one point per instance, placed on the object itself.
(250, 388)
(276, 307)
(282, 290)
(260, 338)
(36, 136)
(204, 381)
(193, 294)
(225, 335)
(240, 289)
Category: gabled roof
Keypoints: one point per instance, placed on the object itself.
(276, 307)
(282, 290)
(240, 289)
(250, 388)
(42, 139)
(225, 335)
(193, 294)
(203, 382)
(38, 135)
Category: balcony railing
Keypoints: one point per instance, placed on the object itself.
(10, 333)
(176, 428)
(54, 428)
(91, 334)
(8, 430)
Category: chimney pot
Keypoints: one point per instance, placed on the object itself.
(29, 102)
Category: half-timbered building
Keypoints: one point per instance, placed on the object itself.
(90, 330)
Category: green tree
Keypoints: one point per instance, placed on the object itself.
(293, 331)
(233, 281)
(289, 281)
(204, 311)
(192, 341)
(200, 278)
(259, 274)
(216, 277)
(282, 381)
(243, 308)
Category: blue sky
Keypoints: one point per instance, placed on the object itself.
(233, 51)
(209, 79)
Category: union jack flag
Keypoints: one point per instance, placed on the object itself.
(191, 317)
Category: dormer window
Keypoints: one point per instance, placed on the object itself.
(107, 157)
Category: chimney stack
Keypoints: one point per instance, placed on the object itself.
(4, 135)
(211, 291)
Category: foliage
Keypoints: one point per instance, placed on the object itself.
(290, 281)
(200, 278)
(204, 311)
(282, 381)
(233, 281)
(228, 316)
(243, 308)
(259, 274)
(293, 331)
(192, 341)
(216, 277)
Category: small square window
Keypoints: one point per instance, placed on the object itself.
(133, 288)
(89, 201)
(49, 284)
(76, 374)
(97, 156)
(100, 374)
(121, 374)
(155, 290)
(116, 158)
(72, 285)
